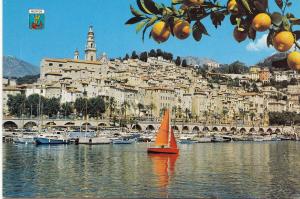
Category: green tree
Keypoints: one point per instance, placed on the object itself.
(96, 106)
(112, 106)
(16, 104)
(140, 107)
(67, 109)
(80, 106)
(159, 53)
(152, 53)
(184, 63)
(187, 113)
(144, 56)
(32, 103)
(178, 61)
(126, 57)
(174, 111)
(134, 55)
(224, 112)
(252, 115)
(51, 106)
(124, 107)
(151, 107)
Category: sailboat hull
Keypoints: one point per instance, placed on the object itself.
(163, 150)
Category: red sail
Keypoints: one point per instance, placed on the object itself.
(162, 137)
(173, 143)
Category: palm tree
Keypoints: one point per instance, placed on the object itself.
(252, 115)
(205, 114)
(112, 106)
(151, 107)
(224, 112)
(124, 107)
(187, 111)
(242, 114)
(140, 106)
(174, 111)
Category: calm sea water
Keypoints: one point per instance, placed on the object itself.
(208, 170)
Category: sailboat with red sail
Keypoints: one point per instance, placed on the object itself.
(165, 140)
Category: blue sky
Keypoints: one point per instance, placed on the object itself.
(67, 23)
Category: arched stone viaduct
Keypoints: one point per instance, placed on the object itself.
(12, 123)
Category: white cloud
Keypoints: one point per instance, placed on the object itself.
(259, 45)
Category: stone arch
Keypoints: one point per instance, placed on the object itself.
(224, 129)
(150, 127)
(10, 125)
(269, 131)
(252, 130)
(242, 130)
(196, 129)
(277, 131)
(83, 125)
(50, 123)
(205, 128)
(261, 130)
(215, 129)
(101, 124)
(233, 129)
(175, 128)
(137, 127)
(30, 124)
(185, 129)
(70, 124)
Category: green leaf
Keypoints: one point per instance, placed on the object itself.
(270, 38)
(134, 20)
(140, 26)
(285, 23)
(174, 2)
(150, 23)
(246, 5)
(135, 12)
(141, 6)
(152, 7)
(294, 21)
(276, 18)
(252, 33)
(197, 32)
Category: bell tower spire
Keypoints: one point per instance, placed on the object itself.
(90, 48)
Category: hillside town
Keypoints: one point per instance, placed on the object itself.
(149, 87)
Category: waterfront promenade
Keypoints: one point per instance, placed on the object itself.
(148, 125)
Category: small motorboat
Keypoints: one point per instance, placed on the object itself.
(51, 138)
(93, 140)
(220, 139)
(165, 141)
(124, 140)
(203, 139)
(187, 141)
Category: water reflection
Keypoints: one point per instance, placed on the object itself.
(231, 170)
(163, 168)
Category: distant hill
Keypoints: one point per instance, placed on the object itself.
(14, 67)
(267, 62)
(198, 61)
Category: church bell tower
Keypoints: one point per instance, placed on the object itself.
(90, 48)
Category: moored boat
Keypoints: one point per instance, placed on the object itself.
(124, 140)
(220, 139)
(93, 140)
(51, 138)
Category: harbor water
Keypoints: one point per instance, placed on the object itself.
(204, 170)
